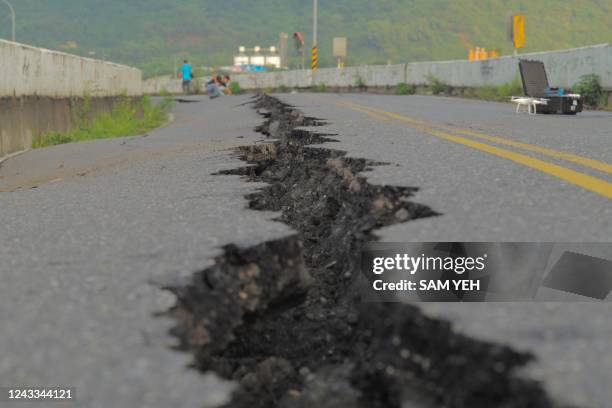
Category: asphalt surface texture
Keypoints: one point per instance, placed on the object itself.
(484, 197)
(90, 230)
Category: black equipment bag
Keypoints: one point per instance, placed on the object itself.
(535, 85)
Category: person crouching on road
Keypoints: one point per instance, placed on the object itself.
(187, 75)
(212, 87)
(217, 86)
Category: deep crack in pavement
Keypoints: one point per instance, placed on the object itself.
(286, 319)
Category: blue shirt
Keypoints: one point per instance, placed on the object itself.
(186, 71)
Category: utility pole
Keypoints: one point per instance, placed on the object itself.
(12, 16)
(315, 16)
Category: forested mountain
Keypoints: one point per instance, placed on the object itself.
(151, 34)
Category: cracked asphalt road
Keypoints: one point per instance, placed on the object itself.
(80, 252)
(484, 197)
(88, 228)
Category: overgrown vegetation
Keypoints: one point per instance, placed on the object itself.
(128, 117)
(437, 86)
(235, 88)
(360, 83)
(319, 88)
(405, 89)
(591, 90)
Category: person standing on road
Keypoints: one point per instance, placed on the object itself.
(187, 75)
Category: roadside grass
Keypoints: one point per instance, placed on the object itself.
(405, 89)
(235, 88)
(128, 117)
(589, 86)
(500, 93)
(438, 87)
(360, 83)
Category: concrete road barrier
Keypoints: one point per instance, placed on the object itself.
(31, 71)
(565, 67)
(40, 90)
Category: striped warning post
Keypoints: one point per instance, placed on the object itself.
(314, 58)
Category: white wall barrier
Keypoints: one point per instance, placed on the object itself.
(31, 71)
(565, 67)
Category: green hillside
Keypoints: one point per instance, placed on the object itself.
(151, 34)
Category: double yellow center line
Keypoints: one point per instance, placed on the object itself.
(594, 184)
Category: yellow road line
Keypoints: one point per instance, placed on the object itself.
(585, 181)
(372, 114)
(581, 160)
(590, 183)
(584, 161)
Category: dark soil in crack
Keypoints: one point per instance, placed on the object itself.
(286, 319)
